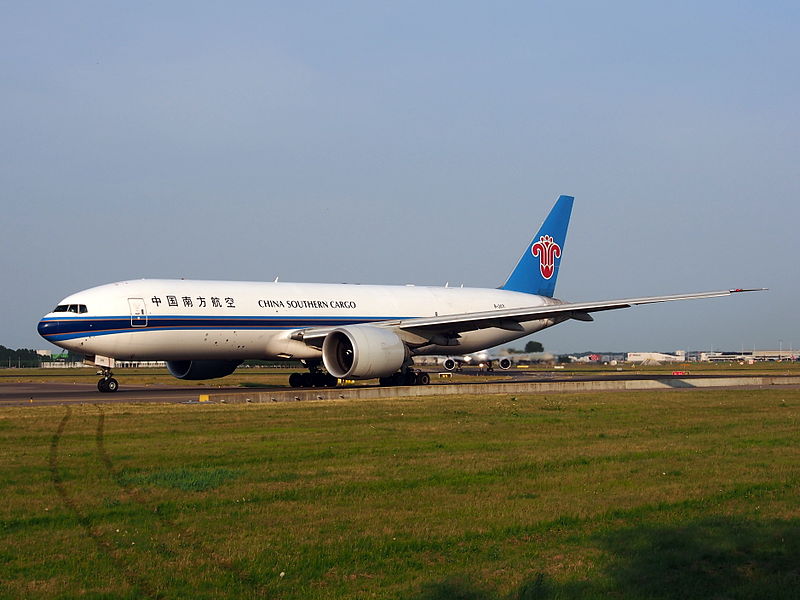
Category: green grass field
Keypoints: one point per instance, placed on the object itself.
(666, 495)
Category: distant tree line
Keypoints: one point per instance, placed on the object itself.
(24, 357)
(531, 347)
(19, 358)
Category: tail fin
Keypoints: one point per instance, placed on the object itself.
(537, 269)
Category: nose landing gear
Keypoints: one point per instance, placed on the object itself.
(107, 384)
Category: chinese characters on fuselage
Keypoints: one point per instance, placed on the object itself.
(198, 301)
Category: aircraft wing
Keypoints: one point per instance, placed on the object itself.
(510, 318)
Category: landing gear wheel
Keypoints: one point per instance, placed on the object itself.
(407, 378)
(398, 379)
(108, 385)
(315, 379)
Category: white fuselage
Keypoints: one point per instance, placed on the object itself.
(161, 319)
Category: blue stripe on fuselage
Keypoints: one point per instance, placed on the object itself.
(59, 329)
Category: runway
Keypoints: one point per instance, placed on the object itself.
(44, 394)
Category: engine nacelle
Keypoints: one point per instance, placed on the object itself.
(504, 363)
(363, 352)
(201, 369)
(449, 364)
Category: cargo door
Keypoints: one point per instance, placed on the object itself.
(138, 312)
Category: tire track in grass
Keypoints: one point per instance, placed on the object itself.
(182, 538)
(108, 549)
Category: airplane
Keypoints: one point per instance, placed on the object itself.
(479, 359)
(205, 329)
(488, 359)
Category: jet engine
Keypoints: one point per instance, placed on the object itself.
(449, 364)
(504, 363)
(363, 352)
(201, 369)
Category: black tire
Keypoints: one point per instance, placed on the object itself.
(295, 380)
(331, 381)
(423, 379)
(112, 385)
(101, 386)
(306, 380)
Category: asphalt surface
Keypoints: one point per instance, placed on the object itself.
(43, 394)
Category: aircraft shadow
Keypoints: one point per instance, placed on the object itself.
(715, 557)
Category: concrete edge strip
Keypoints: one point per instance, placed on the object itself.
(365, 393)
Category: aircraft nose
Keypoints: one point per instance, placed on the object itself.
(47, 327)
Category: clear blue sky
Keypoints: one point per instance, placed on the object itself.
(409, 142)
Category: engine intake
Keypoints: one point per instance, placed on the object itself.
(201, 369)
(363, 352)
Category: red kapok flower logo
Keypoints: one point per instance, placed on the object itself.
(547, 251)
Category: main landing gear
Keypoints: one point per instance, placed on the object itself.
(298, 380)
(107, 384)
(314, 378)
(409, 377)
(318, 378)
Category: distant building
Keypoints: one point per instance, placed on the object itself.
(62, 364)
(653, 357)
(139, 364)
(749, 356)
(586, 358)
(613, 357)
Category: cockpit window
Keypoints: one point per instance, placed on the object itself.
(73, 308)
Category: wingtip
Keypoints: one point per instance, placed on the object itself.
(737, 290)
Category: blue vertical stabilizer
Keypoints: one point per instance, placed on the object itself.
(537, 269)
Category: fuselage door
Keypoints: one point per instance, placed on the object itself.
(138, 312)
